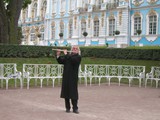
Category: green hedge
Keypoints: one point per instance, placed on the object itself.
(97, 52)
(122, 53)
(24, 51)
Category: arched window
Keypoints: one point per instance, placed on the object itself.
(61, 27)
(43, 9)
(152, 24)
(111, 26)
(96, 27)
(35, 10)
(32, 35)
(53, 30)
(70, 28)
(137, 23)
(72, 4)
(63, 5)
(83, 26)
(24, 35)
(42, 33)
(54, 6)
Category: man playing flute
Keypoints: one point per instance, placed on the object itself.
(69, 90)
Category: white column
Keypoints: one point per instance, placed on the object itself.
(48, 4)
(79, 3)
(58, 7)
(92, 2)
(57, 30)
(39, 8)
(29, 11)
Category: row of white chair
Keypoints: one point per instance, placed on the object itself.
(52, 72)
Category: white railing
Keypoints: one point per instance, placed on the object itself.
(8, 71)
(115, 71)
(45, 71)
(41, 72)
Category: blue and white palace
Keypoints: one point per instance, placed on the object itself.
(118, 23)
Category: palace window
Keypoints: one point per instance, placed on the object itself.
(70, 28)
(61, 27)
(43, 9)
(54, 6)
(53, 30)
(32, 35)
(111, 26)
(83, 26)
(63, 5)
(42, 33)
(96, 27)
(137, 23)
(35, 10)
(152, 24)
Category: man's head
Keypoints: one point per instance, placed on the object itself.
(75, 50)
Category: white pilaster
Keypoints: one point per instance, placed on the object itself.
(38, 7)
(79, 3)
(29, 11)
(92, 2)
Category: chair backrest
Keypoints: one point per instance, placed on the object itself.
(43, 70)
(7, 69)
(114, 70)
(155, 70)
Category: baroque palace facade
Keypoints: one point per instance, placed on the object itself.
(138, 22)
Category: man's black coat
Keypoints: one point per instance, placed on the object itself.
(70, 75)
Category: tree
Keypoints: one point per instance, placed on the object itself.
(9, 15)
(117, 32)
(60, 35)
(139, 32)
(85, 34)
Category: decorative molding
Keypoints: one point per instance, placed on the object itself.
(152, 1)
(137, 2)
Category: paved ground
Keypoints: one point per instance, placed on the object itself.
(95, 103)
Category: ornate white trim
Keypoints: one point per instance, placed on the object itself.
(152, 1)
(136, 38)
(137, 2)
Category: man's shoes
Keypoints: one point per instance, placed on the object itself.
(67, 110)
(76, 111)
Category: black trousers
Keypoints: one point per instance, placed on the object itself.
(74, 104)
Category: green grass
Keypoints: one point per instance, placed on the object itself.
(21, 61)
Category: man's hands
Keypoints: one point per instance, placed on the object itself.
(59, 52)
(65, 51)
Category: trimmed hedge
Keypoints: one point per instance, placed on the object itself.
(97, 52)
(25, 51)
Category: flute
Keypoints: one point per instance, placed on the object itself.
(61, 50)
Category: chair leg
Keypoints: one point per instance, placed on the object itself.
(90, 81)
(21, 83)
(146, 83)
(41, 80)
(109, 83)
(1, 83)
(15, 83)
(28, 80)
(85, 81)
(130, 80)
(140, 82)
(99, 81)
(47, 81)
(156, 83)
(6, 84)
(53, 82)
(119, 79)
